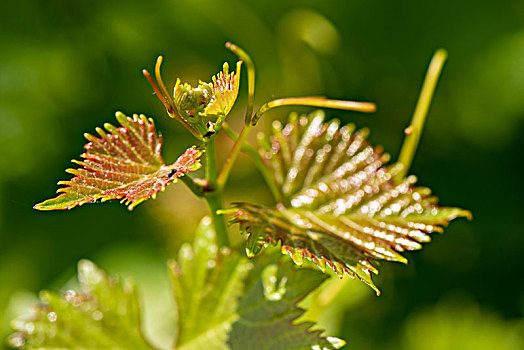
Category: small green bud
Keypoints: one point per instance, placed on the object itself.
(190, 101)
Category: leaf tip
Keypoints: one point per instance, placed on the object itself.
(250, 254)
(466, 214)
(85, 264)
(401, 259)
(38, 206)
(337, 343)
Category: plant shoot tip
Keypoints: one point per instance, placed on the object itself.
(442, 52)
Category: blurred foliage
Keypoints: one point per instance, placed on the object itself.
(66, 67)
(460, 324)
(103, 314)
(223, 301)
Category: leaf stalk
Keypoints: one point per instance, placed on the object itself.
(246, 147)
(232, 156)
(196, 188)
(315, 101)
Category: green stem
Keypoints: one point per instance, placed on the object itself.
(414, 130)
(315, 101)
(250, 66)
(246, 147)
(214, 197)
(232, 156)
(215, 203)
(196, 188)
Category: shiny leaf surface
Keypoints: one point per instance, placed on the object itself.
(123, 163)
(342, 210)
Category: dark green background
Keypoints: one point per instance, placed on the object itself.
(67, 66)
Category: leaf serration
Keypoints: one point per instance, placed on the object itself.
(341, 208)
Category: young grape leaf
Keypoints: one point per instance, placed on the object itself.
(124, 164)
(103, 315)
(341, 207)
(225, 91)
(226, 302)
(208, 99)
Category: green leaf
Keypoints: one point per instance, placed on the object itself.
(342, 210)
(124, 164)
(226, 302)
(208, 99)
(207, 284)
(225, 91)
(268, 311)
(103, 315)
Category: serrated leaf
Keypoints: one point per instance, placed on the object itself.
(341, 208)
(268, 311)
(226, 302)
(104, 314)
(125, 163)
(225, 91)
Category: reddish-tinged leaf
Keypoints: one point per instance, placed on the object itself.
(124, 163)
(342, 209)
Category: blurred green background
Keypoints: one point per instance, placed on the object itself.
(67, 66)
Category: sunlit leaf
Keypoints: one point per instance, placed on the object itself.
(104, 314)
(226, 302)
(341, 208)
(225, 91)
(124, 163)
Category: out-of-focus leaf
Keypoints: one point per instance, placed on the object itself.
(207, 283)
(341, 207)
(226, 302)
(103, 315)
(460, 324)
(124, 164)
(492, 84)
